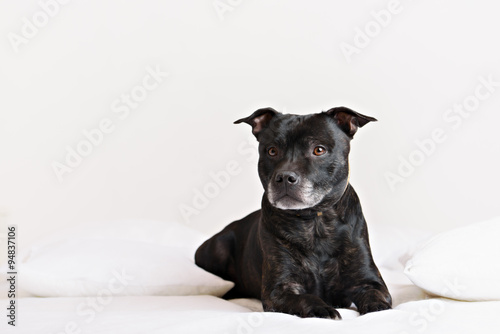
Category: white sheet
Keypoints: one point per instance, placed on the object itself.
(414, 311)
(207, 314)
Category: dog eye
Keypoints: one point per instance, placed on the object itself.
(319, 150)
(273, 151)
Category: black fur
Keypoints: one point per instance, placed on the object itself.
(306, 251)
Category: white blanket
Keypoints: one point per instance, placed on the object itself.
(414, 312)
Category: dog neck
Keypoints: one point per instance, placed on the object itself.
(304, 229)
(318, 211)
(328, 209)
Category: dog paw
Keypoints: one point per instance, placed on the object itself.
(374, 301)
(304, 306)
(320, 312)
(374, 307)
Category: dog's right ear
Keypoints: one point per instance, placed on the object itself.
(259, 120)
(349, 120)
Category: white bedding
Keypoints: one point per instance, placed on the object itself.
(208, 314)
(414, 312)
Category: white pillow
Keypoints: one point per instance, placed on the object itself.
(391, 245)
(121, 258)
(462, 264)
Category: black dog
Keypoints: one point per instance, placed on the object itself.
(306, 251)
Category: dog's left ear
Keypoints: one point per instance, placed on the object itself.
(349, 120)
(259, 119)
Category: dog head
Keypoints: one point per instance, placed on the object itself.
(303, 159)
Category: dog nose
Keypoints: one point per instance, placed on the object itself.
(288, 176)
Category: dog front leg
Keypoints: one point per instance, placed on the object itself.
(370, 298)
(303, 305)
(291, 298)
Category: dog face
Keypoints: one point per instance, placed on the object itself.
(303, 160)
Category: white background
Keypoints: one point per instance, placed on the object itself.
(283, 54)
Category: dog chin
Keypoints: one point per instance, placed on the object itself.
(289, 203)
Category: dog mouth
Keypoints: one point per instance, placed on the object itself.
(289, 200)
(294, 197)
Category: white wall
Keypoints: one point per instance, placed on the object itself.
(67, 76)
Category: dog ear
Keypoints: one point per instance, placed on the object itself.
(349, 120)
(259, 119)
